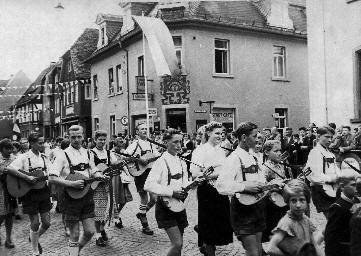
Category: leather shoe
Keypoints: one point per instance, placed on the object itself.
(100, 242)
(196, 228)
(17, 217)
(104, 236)
(146, 230)
(119, 224)
(202, 250)
(9, 245)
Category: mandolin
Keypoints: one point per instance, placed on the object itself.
(246, 198)
(79, 193)
(177, 205)
(108, 171)
(18, 187)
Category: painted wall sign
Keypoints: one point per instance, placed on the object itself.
(175, 90)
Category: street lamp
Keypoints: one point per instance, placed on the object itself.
(59, 6)
(210, 102)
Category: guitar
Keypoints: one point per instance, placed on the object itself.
(79, 193)
(177, 205)
(138, 169)
(109, 171)
(276, 197)
(18, 187)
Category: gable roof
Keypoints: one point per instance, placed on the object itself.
(3, 83)
(84, 46)
(34, 88)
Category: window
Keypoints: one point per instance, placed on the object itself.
(87, 91)
(96, 124)
(119, 73)
(56, 105)
(69, 95)
(69, 66)
(221, 54)
(95, 84)
(281, 117)
(141, 66)
(102, 35)
(112, 125)
(111, 81)
(279, 62)
(75, 88)
(177, 40)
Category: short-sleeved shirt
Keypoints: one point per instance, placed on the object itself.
(301, 228)
(61, 166)
(141, 145)
(22, 162)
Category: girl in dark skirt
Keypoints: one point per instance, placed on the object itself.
(214, 226)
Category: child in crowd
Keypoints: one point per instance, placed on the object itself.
(337, 233)
(257, 150)
(295, 224)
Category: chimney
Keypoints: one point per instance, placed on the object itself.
(279, 15)
(52, 64)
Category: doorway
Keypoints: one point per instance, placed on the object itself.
(176, 118)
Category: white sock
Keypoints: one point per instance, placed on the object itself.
(97, 235)
(34, 236)
(41, 231)
(73, 248)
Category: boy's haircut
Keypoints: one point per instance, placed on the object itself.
(288, 129)
(5, 143)
(296, 135)
(34, 137)
(65, 144)
(137, 127)
(100, 133)
(302, 128)
(347, 127)
(75, 128)
(346, 176)
(16, 145)
(168, 134)
(296, 187)
(268, 145)
(333, 125)
(59, 139)
(267, 129)
(325, 129)
(245, 128)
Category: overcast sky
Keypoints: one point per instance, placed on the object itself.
(34, 33)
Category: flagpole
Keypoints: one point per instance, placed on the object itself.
(146, 84)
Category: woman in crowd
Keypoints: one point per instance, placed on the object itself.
(214, 226)
(7, 202)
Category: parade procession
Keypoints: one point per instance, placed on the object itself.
(180, 128)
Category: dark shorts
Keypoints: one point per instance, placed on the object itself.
(247, 219)
(78, 209)
(37, 201)
(168, 219)
(321, 201)
(140, 180)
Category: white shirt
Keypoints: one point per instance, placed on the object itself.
(157, 181)
(61, 164)
(206, 155)
(22, 162)
(230, 179)
(134, 149)
(315, 163)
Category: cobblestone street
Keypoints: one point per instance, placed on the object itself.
(128, 241)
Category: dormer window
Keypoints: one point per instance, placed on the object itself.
(102, 35)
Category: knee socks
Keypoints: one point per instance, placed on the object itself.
(73, 248)
(34, 237)
(41, 231)
(142, 208)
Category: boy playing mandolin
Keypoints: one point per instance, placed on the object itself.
(167, 178)
(36, 200)
(140, 148)
(241, 174)
(76, 161)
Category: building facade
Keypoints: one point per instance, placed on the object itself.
(239, 61)
(334, 50)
